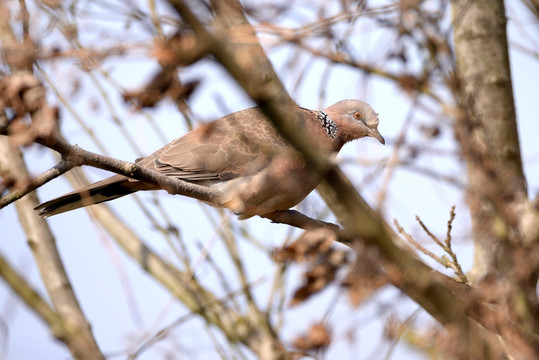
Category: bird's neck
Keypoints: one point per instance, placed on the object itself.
(329, 126)
(332, 134)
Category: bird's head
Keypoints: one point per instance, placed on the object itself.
(354, 119)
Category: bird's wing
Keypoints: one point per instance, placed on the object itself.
(237, 145)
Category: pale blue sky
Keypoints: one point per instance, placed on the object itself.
(92, 260)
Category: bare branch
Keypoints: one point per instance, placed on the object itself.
(81, 343)
(429, 233)
(447, 248)
(77, 156)
(59, 328)
(297, 219)
(59, 169)
(420, 247)
(184, 286)
(264, 87)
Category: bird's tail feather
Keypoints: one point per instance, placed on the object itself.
(94, 194)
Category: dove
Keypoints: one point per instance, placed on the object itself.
(242, 157)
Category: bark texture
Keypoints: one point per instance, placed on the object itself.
(487, 129)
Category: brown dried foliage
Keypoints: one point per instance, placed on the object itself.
(363, 279)
(181, 49)
(318, 338)
(19, 55)
(22, 94)
(164, 84)
(317, 248)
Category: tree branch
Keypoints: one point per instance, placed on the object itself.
(59, 328)
(77, 156)
(246, 62)
(59, 169)
(81, 342)
(187, 289)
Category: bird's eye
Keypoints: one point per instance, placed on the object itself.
(358, 115)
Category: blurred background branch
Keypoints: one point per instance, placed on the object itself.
(123, 79)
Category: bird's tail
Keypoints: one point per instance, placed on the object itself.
(105, 190)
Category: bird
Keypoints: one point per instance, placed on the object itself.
(242, 157)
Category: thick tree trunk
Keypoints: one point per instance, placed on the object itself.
(487, 129)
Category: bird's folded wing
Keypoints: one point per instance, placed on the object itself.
(240, 144)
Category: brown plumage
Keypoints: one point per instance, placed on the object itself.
(242, 156)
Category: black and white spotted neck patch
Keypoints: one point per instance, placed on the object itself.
(328, 124)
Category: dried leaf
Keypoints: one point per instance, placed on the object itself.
(318, 338)
(310, 244)
(316, 248)
(165, 83)
(363, 280)
(410, 83)
(318, 277)
(19, 55)
(182, 49)
(24, 94)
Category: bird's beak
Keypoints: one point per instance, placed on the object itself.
(375, 134)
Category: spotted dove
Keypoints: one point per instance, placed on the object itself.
(241, 156)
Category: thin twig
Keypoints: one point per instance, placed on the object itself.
(54, 172)
(419, 246)
(450, 226)
(297, 219)
(458, 270)
(446, 246)
(79, 156)
(429, 233)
